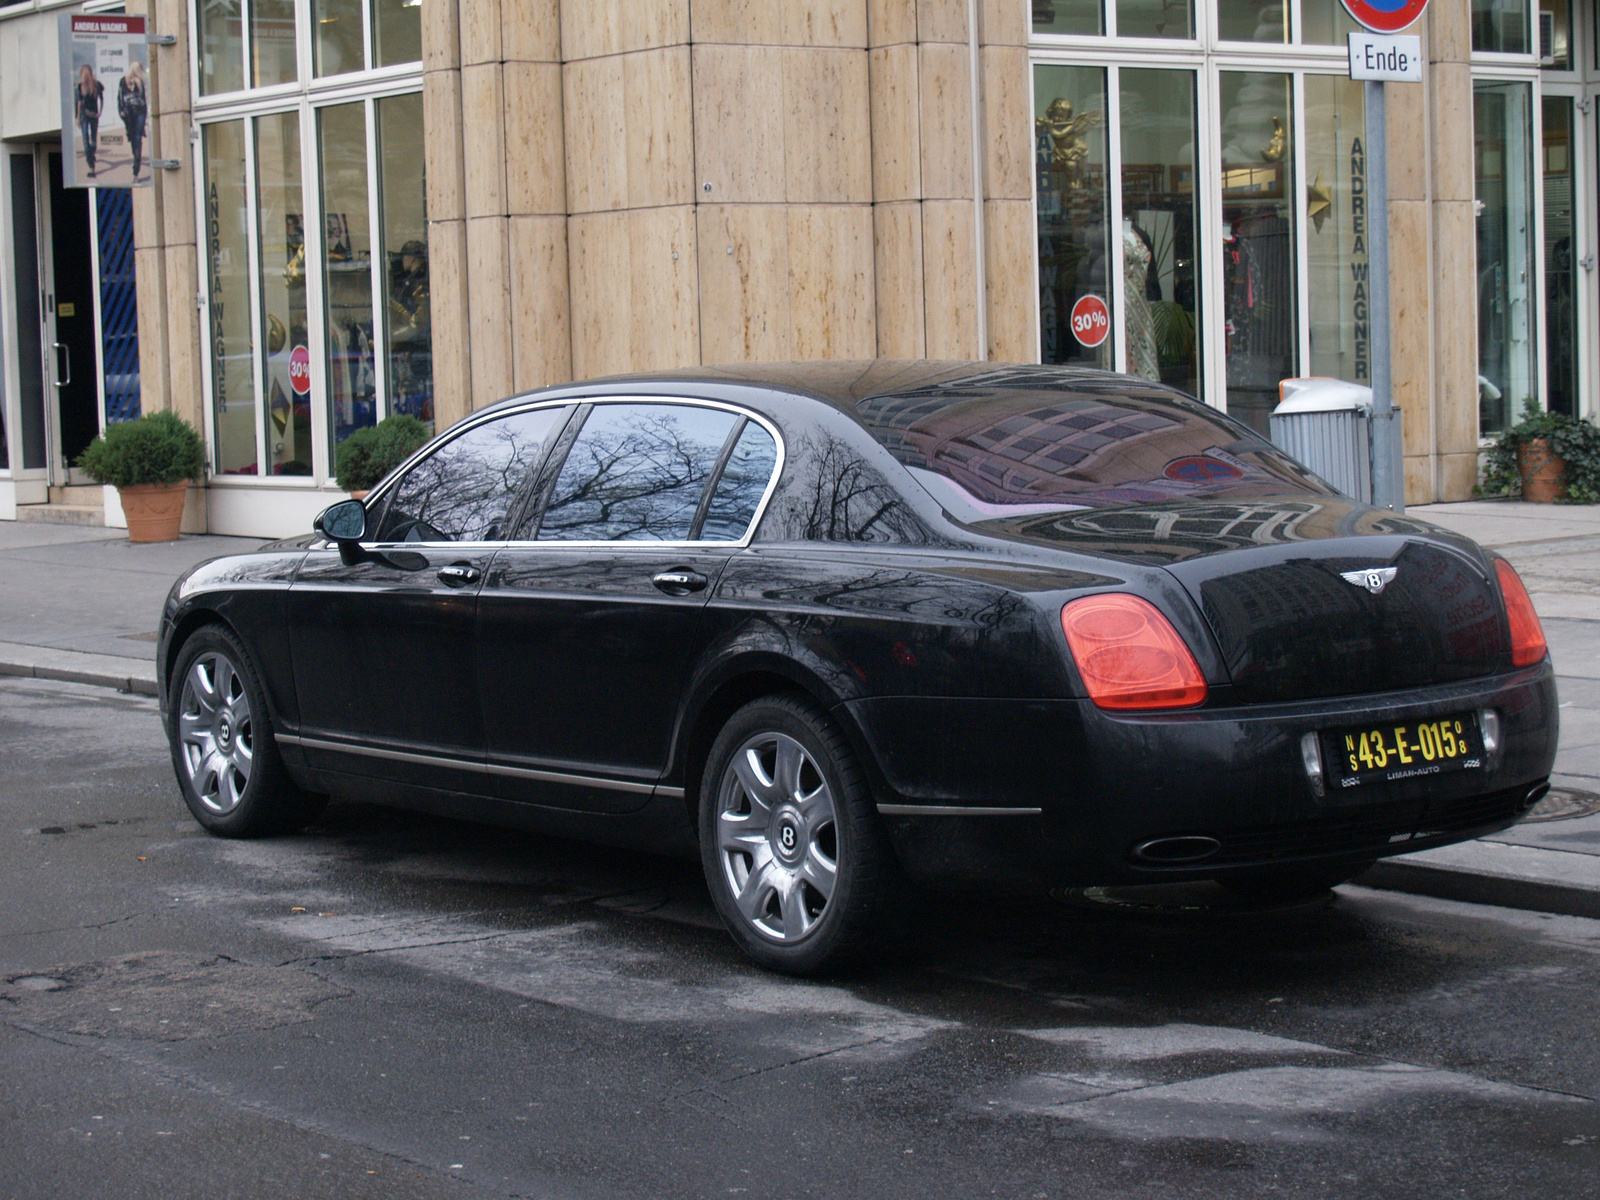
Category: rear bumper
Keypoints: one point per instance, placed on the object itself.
(1087, 787)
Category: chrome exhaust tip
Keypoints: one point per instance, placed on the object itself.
(1535, 794)
(1171, 851)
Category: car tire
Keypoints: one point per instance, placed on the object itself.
(223, 749)
(797, 860)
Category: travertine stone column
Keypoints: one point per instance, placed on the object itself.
(447, 211)
(1411, 281)
(630, 185)
(1455, 328)
(949, 217)
(1009, 237)
(784, 176)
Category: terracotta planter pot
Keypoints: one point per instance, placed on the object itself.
(154, 510)
(1544, 475)
(359, 494)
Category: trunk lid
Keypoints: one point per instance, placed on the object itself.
(1270, 579)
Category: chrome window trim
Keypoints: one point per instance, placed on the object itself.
(382, 494)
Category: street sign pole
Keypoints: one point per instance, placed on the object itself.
(1387, 491)
(1376, 57)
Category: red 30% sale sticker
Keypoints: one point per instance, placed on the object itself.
(1091, 320)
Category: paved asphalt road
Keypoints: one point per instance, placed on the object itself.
(399, 1006)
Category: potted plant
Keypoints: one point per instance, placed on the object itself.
(1546, 456)
(369, 454)
(150, 461)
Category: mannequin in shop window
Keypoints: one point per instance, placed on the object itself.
(410, 332)
(1138, 320)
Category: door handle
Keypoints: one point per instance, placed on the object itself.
(459, 575)
(680, 582)
(67, 359)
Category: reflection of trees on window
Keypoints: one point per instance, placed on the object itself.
(738, 492)
(836, 496)
(636, 473)
(465, 490)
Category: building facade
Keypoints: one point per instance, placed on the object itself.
(421, 206)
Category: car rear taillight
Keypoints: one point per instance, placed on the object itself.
(1527, 635)
(1129, 655)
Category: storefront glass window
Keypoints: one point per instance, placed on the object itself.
(1500, 26)
(1506, 363)
(233, 390)
(272, 52)
(281, 213)
(1325, 23)
(1074, 208)
(1253, 21)
(1258, 240)
(1160, 275)
(397, 32)
(405, 244)
(1559, 49)
(1561, 312)
(1068, 16)
(1337, 228)
(1155, 18)
(337, 37)
(221, 46)
(347, 262)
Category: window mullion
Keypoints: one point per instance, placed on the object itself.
(1116, 284)
(316, 236)
(258, 366)
(1298, 223)
(380, 260)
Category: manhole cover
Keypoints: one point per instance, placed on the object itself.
(1564, 804)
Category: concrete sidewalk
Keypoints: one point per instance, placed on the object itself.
(81, 604)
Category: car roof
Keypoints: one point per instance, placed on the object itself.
(872, 391)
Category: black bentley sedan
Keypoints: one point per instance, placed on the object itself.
(836, 626)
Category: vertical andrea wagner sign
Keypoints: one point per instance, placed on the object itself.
(105, 101)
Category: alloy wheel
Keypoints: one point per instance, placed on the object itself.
(777, 837)
(215, 732)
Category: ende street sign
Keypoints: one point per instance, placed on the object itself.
(1375, 56)
(1385, 16)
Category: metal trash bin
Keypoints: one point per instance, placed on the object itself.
(1327, 425)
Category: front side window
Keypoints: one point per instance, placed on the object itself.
(636, 472)
(467, 489)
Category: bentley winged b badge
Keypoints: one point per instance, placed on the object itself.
(1374, 579)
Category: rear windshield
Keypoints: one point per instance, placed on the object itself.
(1012, 450)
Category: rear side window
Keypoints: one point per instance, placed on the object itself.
(1016, 450)
(636, 472)
(465, 490)
(742, 484)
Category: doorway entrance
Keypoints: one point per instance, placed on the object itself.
(53, 279)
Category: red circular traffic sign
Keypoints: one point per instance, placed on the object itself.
(300, 370)
(1091, 320)
(1385, 16)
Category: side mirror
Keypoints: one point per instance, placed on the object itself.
(344, 522)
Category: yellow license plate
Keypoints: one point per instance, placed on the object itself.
(1404, 750)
